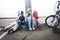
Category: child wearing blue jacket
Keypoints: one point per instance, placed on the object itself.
(21, 20)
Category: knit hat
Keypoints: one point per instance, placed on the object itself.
(29, 9)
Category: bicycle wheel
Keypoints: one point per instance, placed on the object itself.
(56, 30)
(51, 24)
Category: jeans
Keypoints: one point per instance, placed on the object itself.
(29, 25)
(14, 28)
(37, 24)
(20, 24)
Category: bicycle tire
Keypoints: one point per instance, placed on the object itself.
(50, 25)
(56, 30)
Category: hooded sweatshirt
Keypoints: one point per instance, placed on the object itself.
(35, 14)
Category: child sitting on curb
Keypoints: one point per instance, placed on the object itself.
(21, 20)
(36, 17)
(29, 20)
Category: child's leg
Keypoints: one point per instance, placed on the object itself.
(33, 24)
(27, 27)
(20, 25)
(29, 22)
(38, 25)
(14, 28)
(11, 30)
(26, 21)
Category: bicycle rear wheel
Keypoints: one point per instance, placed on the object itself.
(56, 30)
(51, 24)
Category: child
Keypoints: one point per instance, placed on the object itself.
(36, 17)
(21, 20)
(13, 28)
(29, 20)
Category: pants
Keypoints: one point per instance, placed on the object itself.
(14, 28)
(28, 24)
(37, 24)
(20, 24)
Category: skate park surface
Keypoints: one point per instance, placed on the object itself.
(44, 34)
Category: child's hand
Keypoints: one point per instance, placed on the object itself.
(19, 21)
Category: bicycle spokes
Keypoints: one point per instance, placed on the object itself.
(50, 23)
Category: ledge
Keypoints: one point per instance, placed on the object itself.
(8, 17)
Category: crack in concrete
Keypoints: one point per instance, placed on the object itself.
(27, 36)
(30, 34)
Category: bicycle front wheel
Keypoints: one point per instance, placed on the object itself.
(49, 23)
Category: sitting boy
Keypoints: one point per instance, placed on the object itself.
(29, 20)
(21, 20)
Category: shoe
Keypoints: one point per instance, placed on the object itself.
(39, 27)
(33, 28)
(11, 31)
(30, 28)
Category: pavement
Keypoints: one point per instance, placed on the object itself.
(43, 34)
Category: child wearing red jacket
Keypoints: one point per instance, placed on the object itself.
(36, 17)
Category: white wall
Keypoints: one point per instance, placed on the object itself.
(10, 8)
(44, 7)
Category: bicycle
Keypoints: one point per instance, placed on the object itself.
(53, 21)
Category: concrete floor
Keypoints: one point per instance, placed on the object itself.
(43, 34)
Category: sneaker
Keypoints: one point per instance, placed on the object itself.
(30, 28)
(33, 28)
(11, 32)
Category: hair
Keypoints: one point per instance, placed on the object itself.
(22, 12)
